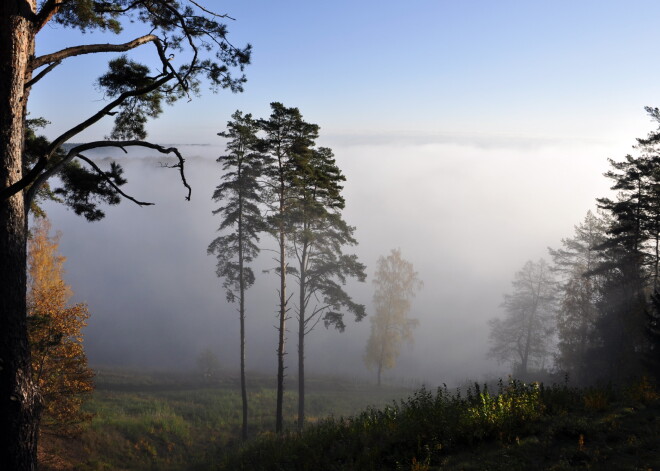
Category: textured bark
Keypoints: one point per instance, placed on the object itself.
(19, 401)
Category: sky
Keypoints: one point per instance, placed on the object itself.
(473, 136)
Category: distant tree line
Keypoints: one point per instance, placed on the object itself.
(277, 182)
(594, 312)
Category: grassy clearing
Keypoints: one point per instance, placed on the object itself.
(178, 422)
(143, 423)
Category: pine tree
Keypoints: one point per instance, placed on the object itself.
(652, 355)
(396, 283)
(135, 93)
(317, 237)
(627, 270)
(286, 135)
(240, 194)
(59, 363)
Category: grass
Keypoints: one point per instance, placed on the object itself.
(518, 427)
(177, 422)
(173, 423)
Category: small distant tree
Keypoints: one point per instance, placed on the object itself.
(396, 283)
(208, 364)
(524, 335)
(241, 222)
(59, 363)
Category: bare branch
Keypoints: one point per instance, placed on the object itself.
(41, 74)
(90, 49)
(217, 15)
(307, 331)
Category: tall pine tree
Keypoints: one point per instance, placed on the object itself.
(286, 135)
(241, 216)
(317, 238)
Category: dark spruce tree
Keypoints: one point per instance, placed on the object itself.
(317, 238)
(579, 290)
(285, 135)
(240, 196)
(135, 94)
(652, 356)
(626, 271)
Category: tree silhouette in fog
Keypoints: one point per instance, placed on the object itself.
(396, 283)
(524, 335)
(317, 237)
(240, 195)
(578, 294)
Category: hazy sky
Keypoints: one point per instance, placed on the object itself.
(473, 135)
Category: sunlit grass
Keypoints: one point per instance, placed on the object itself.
(509, 426)
(519, 426)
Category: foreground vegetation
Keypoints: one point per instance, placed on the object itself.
(179, 422)
(519, 427)
(178, 425)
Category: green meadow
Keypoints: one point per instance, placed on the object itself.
(176, 422)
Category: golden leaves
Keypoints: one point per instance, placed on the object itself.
(59, 364)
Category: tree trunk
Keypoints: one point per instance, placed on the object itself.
(241, 282)
(279, 420)
(19, 400)
(380, 369)
(301, 343)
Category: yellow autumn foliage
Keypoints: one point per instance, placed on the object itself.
(59, 363)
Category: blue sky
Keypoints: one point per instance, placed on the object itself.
(473, 135)
(548, 69)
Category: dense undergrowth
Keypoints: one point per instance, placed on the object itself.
(519, 426)
(169, 424)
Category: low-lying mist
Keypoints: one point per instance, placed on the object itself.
(466, 214)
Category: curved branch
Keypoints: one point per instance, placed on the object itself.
(217, 15)
(75, 152)
(32, 175)
(112, 184)
(90, 49)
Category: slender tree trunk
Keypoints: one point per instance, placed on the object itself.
(279, 420)
(19, 399)
(384, 340)
(301, 343)
(241, 283)
(380, 369)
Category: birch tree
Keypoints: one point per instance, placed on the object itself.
(396, 284)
